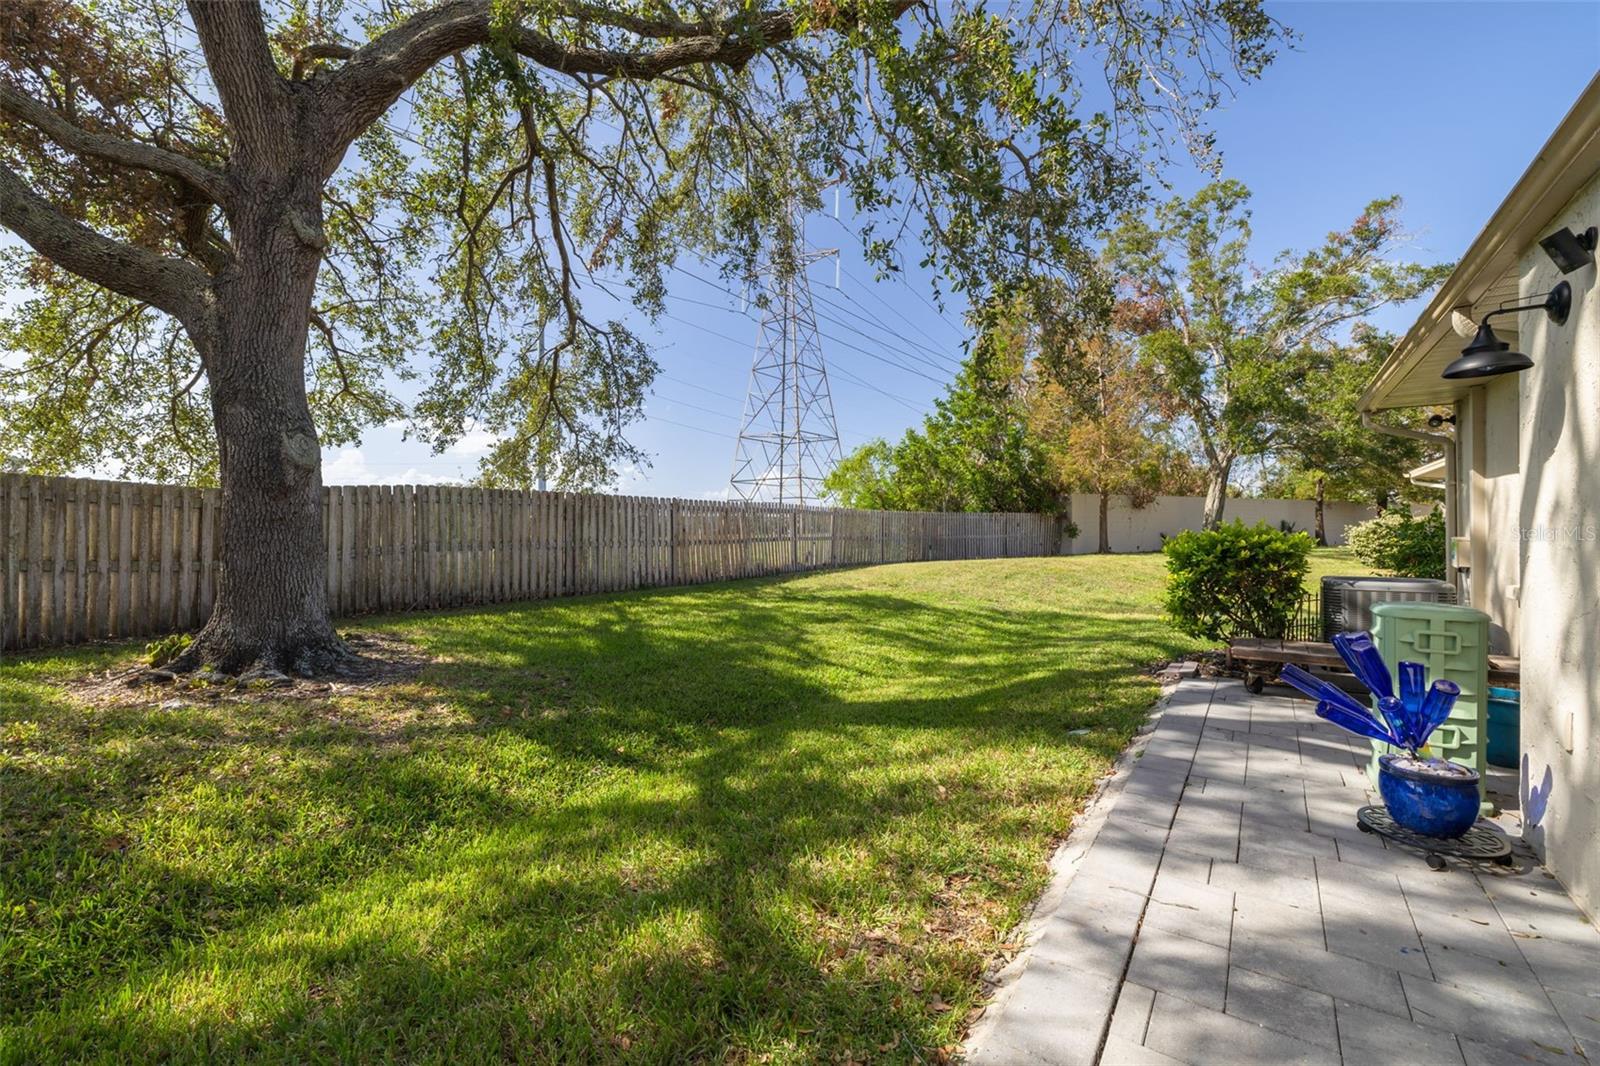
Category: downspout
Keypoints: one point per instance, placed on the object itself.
(1451, 486)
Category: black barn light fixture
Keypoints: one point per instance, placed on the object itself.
(1488, 355)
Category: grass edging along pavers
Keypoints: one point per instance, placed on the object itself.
(784, 818)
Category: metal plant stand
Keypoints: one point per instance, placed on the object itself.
(1480, 844)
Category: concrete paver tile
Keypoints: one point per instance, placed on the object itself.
(1203, 806)
(1380, 932)
(1372, 1038)
(1183, 866)
(1582, 1015)
(1267, 857)
(1216, 840)
(1453, 890)
(1275, 886)
(1255, 835)
(1181, 966)
(1537, 904)
(1482, 1016)
(1360, 884)
(1359, 850)
(1055, 1015)
(1281, 738)
(1339, 976)
(1511, 977)
(1153, 784)
(1299, 1012)
(1447, 931)
(1132, 1014)
(1478, 1053)
(1218, 767)
(1155, 762)
(1197, 911)
(1560, 965)
(1089, 896)
(1172, 747)
(1151, 810)
(1267, 919)
(1089, 944)
(1196, 1034)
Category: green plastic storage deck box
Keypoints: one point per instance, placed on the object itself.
(1453, 643)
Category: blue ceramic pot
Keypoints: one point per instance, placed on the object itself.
(1429, 796)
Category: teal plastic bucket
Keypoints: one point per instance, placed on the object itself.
(1505, 727)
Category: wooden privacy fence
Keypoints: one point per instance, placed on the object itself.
(85, 560)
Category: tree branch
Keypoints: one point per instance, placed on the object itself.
(198, 176)
(313, 52)
(173, 285)
(386, 66)
(379, 72)
(254, 97)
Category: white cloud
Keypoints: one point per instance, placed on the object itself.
(474, 442)
(350, 467)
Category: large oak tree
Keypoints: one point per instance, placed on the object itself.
(247, 222)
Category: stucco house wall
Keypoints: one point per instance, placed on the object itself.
(1559, 557)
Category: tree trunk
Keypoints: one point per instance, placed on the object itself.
(1217, 491)
(1105, 523)
(271, 612)
(1322, 527)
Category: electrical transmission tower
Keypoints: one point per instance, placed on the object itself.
(788, 439)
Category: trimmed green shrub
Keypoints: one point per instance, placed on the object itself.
(1236, 580)
(1397, 543)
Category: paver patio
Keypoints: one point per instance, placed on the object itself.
(1226, 909)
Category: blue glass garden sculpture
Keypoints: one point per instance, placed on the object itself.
(1434, 797)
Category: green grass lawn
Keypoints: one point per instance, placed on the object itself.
(781, 820)
(1328, 562)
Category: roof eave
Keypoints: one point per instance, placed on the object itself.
(1568, 159)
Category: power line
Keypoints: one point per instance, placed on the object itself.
(692, 385)
(697, 429)
(876, 323)
(835, 340)
(697, 407)
(926, 302)
(903, 401)
(828, 337)
(899, 351)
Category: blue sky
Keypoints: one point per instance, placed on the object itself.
(1443, 103)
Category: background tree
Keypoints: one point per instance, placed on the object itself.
(1330, 454)
(230, 231)
(1097, 422)
(1232, 347)
(974, 453)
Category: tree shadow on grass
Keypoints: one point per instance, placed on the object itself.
(653, 827)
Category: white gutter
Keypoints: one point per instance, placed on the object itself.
(1451, 488)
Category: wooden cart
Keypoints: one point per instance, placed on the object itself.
(1260, 657)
